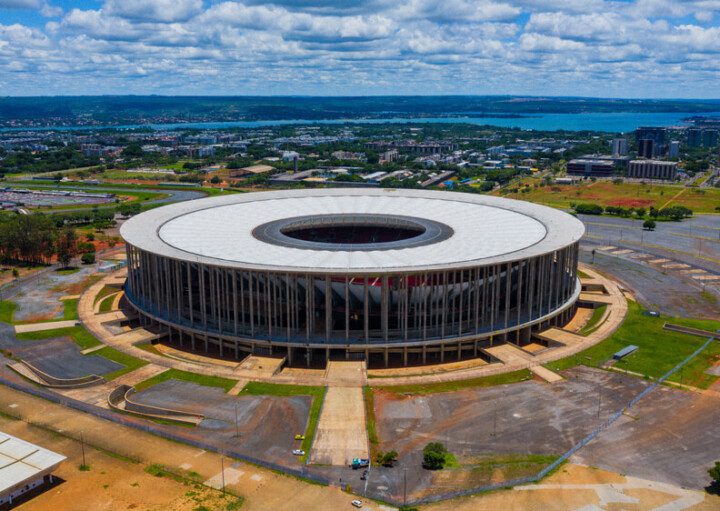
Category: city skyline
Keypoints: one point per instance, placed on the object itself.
(595, 48)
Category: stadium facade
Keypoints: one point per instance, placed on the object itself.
(395, 277)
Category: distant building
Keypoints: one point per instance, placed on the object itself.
(646, 148)
(674, 151)
(657, 135)
(590, 168)
(290, 155)
(206, 151)
(25, 467)
(619, 146)
(652, 169)
(250, 171)
(710, 138)
(694, 137)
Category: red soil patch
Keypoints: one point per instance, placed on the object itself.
(631, 203)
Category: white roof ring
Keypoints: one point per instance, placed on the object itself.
(464, 230)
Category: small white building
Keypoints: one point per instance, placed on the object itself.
(24, 467)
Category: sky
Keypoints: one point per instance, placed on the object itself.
(596, 48)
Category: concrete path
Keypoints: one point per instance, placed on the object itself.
(341, 434)
(512, 355)
(50, 325)
(98, 394)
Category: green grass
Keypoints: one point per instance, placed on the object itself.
(659, 350)
(511, 465)
(106, 291)
(67, 271)
(583, 275)
(274, 389)
(176, 374)
(82, 337)
(129, 363)
(451, 386)
(70, 309)
(370, 420)
(7, 310)
(594, 321)
(106, 304)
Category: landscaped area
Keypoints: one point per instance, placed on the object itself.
(176, 374)
(659, 349)
(607, 193)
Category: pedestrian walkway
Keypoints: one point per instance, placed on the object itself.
(49, 325)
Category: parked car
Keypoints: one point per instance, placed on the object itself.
(357, 503)
(360, 463)
(298, 452)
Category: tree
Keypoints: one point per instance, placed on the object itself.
(88, 258)
(66, 246)
(215, 180)
(386, 459)
(434, 456)
(129, 209)
(715, 475)
(649, 225)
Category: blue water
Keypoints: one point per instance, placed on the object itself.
(608, 122)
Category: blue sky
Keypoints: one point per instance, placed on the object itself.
(601, 48)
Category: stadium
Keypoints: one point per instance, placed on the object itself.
(392, 277)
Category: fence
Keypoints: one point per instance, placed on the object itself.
(562, 459)
(304, 472)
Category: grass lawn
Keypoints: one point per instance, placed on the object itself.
(607, 193)
(660, 349)
(67, 271)
(274, 389)
(371, 421)
(511, 466)
(450, 386)
(82, 337)
(7, 310)
(70, 309)
(106, 304)
(106, 291)
(176, 374)
(594, 321)
(130, 363)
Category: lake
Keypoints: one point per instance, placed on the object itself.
(609, 122)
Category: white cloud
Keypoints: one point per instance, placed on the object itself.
(576, 47)
(154, 10)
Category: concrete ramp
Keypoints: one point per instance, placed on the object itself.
(512, 355)
(341, 434)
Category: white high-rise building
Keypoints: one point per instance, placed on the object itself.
(619, 147)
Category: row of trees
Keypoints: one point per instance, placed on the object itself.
(35, 239)
(675, 213)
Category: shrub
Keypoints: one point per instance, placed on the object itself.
(589, 209)
(88, 258)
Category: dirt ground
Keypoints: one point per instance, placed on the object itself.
(111, 482)
(577, 487)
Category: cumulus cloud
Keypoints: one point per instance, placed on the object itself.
(578, 47)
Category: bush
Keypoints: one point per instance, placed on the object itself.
(589, 209)
(88, 258)
(434, 456)
(386, 459)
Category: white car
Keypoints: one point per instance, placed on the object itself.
(356, 503)
(298, 452)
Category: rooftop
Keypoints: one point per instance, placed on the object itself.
(21, 461)
(478, 230)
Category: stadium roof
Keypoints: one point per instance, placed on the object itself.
(223, 230)
(21, 461)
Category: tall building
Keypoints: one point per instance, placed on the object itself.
(674, 151)
(694, 137)
(657, 135)
(619, 147)
(710, 138)
(652, 169)
(646, 148)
